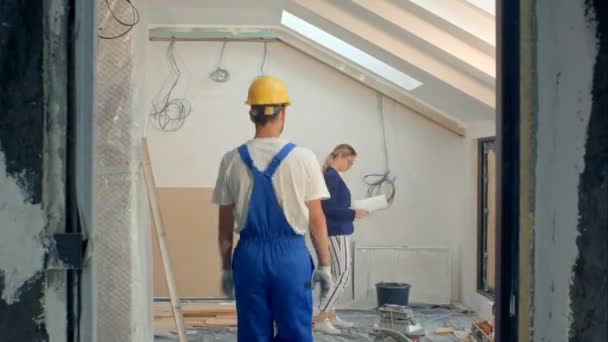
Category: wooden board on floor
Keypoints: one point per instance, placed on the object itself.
(197, 309)
(218, 322)
(196, 315)
(167, 324)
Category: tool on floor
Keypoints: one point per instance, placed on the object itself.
(399, 318)
(162, 243)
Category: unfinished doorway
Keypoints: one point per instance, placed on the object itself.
(415, 124)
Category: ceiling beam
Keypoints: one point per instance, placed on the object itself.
(486, 5)
(371, 80)
(434, 35)
(416, 57)
(448, 26)
(461, 14)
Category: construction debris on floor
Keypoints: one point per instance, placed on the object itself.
(399, 323)
(482, 332)
(422, 323)
(196, 314)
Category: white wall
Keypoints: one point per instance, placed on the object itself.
(430, 163)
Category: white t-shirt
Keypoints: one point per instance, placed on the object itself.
(297, 180)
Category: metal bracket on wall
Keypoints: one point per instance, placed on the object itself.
(65, 252)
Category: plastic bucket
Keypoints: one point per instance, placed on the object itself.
(393, 293)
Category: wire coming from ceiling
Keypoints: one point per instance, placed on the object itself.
(129, 25)
(382, 183)
(220, 74)
(170, 115)
(264, 59)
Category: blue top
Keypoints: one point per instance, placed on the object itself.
(337, 208)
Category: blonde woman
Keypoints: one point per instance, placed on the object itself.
(340, 227)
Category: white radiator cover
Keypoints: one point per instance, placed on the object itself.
(426, 269)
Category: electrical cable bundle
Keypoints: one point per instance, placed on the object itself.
(381, 183)
(171, 114)
(128, 25)
(220, 74)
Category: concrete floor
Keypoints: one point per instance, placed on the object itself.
(430, 317)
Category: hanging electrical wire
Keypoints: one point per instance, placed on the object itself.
(171, 114)
(129, 25)
(382, 183)
(220, 74)
(264, 59)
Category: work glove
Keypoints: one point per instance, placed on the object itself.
(228, 284)
(323, 276)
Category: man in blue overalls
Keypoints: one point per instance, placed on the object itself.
(270, 191)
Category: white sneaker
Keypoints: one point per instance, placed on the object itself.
(326, 327)
(339, 323)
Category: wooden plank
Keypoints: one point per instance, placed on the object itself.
(165, 324)
(162, 243)
(220, 322)
(168, 324)
(209, 314)
(197, 314)
(197, 309)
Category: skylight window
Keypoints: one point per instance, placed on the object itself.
(348, 51)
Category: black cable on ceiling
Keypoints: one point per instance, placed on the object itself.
(170, 115)
(129, 25)
(220, 74)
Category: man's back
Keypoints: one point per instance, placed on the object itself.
(297, 181)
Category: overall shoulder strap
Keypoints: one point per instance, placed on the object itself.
(246, 157)
(278, 158)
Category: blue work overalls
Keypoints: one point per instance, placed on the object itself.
(272, 267)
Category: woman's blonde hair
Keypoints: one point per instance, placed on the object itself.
(342, 150)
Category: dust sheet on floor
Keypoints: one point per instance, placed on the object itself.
(215, 322)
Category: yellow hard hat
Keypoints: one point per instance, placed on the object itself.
(267, 90)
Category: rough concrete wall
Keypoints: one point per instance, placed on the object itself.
(570, 212)
(33, 83)
(56, 40)
(590, 284)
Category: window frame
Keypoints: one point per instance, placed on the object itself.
(482, 213)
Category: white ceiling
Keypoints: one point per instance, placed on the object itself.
(446, 45)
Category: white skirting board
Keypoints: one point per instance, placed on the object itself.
(426, 269)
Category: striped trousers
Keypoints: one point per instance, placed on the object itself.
(341, 268)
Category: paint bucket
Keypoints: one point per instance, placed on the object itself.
(393, 293)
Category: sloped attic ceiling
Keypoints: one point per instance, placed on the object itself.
(445, 45)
